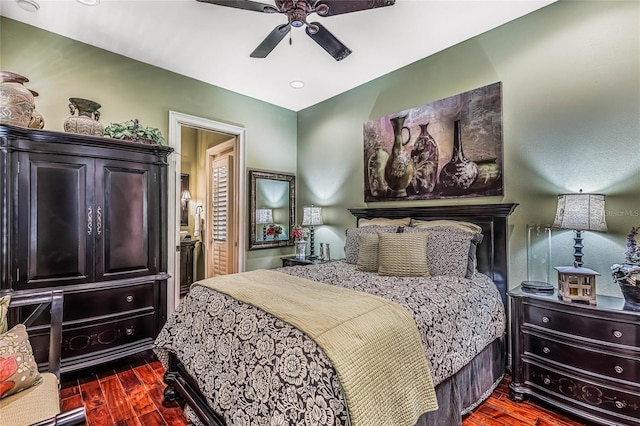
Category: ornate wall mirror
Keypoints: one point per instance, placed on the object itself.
(272, 209)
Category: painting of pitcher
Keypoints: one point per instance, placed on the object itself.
(410, 154)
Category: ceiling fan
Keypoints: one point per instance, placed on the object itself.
(297, 12)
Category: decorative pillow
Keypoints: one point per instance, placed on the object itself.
(464, 226)
(449, 250)
(383, 221)
(403, 255)
(368, 253)
(18, 368)
(352, 243)
(4, 308)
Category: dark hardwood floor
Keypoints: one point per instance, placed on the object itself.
(130, 393)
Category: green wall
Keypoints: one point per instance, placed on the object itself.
(571, 113)
(59, 68)
(570, 76)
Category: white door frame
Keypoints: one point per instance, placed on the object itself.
(176, 121)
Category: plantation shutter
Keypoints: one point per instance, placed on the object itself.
(221, 220)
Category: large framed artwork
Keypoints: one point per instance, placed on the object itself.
(451, 148)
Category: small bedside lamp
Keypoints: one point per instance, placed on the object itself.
(580, 212)
(264, 217)
(311, 216)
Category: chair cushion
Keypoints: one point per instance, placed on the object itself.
(32, 405)
(18, 368)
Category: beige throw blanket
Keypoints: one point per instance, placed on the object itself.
(373, 343)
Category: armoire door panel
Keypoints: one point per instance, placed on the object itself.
(125, 240)
(54, 235)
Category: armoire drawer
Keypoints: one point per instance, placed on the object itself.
(107, 301)
(96, 337)
(618, 366)
(616, 405)
(604, 329)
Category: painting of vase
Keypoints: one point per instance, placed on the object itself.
(450, 148)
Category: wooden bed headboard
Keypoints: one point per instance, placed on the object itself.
(491, 253)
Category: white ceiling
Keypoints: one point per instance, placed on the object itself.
(212, 43)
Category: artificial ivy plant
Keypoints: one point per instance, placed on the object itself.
(132, 130)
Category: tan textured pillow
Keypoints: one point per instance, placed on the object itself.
(403, 255)
(368, 253)
(465, 226)
(383, 221)
(4, 308)
(18, 368)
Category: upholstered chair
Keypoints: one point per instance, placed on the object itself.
(29, 396)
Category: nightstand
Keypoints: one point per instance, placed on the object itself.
(293, 261)
(577, 357)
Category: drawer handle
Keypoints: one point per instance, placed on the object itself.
(618, 369)
(129, 331)
(547, 381)
(545, 319)
(546, 350)
(620, 404)
(617, 333)
(129, 298)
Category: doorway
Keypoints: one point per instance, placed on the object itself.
(179, 125)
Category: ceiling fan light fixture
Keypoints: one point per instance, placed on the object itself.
(297, 84)
(28, 5)
(89, 2)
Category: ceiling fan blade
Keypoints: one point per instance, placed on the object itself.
(337, 7)
(272, 40)
(244, 4)
(328, 42)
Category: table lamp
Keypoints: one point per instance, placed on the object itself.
(580, 212)
(264, 217)
(311, 216)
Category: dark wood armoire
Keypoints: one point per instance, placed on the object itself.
(87, 215)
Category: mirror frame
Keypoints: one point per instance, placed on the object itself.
(254, 175)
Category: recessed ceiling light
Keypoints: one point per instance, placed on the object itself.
(297, 84)
(28, 5)
(90, 2)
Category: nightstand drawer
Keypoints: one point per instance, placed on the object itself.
(583, 358)
(575, 323)
(616, 405)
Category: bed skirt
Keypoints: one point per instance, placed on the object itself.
(458, 395)
(461, 393)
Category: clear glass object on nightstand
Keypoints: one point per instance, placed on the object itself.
(539, 268)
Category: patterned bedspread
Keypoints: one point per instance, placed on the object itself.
(257, 370)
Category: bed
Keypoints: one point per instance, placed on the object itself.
(224, 379)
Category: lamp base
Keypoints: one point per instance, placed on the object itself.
(578, 246)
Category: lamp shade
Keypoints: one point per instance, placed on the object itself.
(312, 216)
(264, 216)
(580, 212)
(186, 195)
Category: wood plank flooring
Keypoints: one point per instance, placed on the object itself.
(130, 393)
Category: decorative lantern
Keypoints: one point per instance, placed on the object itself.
(576, 284)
